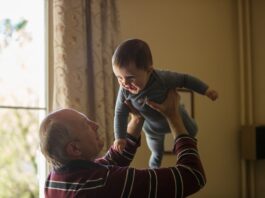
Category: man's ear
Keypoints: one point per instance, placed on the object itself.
(73, 149)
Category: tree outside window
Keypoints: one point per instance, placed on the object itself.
(22, 95)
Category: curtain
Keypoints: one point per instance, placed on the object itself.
(83, 38)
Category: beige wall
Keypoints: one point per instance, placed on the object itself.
(201, 38)
(258, 32)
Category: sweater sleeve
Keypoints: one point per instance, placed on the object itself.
(113, 157)
(121, 116)
(181, 180)
(188, 167)
(181, 80)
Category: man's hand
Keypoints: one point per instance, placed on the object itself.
(170, 109)
(212, 94)
(119, 144)
(135, 125)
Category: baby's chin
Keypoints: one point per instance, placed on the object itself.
(134, 91)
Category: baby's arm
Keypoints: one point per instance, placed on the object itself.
(191, 82)
(120, 121)
(134, 127)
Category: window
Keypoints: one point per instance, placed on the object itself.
(22, 95)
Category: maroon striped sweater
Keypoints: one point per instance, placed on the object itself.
(110, 175)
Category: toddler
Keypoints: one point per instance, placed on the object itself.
(133, 66)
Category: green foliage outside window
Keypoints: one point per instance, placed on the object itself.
(18, 131)
(18, 146)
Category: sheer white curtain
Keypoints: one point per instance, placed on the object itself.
(83, 36)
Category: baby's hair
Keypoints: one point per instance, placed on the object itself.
(133, 51)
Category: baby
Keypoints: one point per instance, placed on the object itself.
(133, 66)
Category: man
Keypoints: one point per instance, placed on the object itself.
(69, 140)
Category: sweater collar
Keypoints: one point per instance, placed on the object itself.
(77, 165)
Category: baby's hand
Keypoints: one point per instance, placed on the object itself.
(119, 144)
(212, 94)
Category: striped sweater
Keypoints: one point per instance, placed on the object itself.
(111, 176)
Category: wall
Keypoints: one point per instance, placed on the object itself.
(201, 38)
(258, 55)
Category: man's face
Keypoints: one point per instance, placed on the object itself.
(131, 78)
(86, 140)
(89, 139)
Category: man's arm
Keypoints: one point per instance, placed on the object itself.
(181, 180)
(134, 128)
(187, 176)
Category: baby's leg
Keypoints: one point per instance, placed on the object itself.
(156, 146)
(188, 121)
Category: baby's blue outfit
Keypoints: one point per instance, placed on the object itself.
(155, 125)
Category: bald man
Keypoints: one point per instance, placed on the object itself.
(70, 142)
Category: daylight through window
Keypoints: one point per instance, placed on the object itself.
(22, 95)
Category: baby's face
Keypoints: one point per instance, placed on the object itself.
(132, 78)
